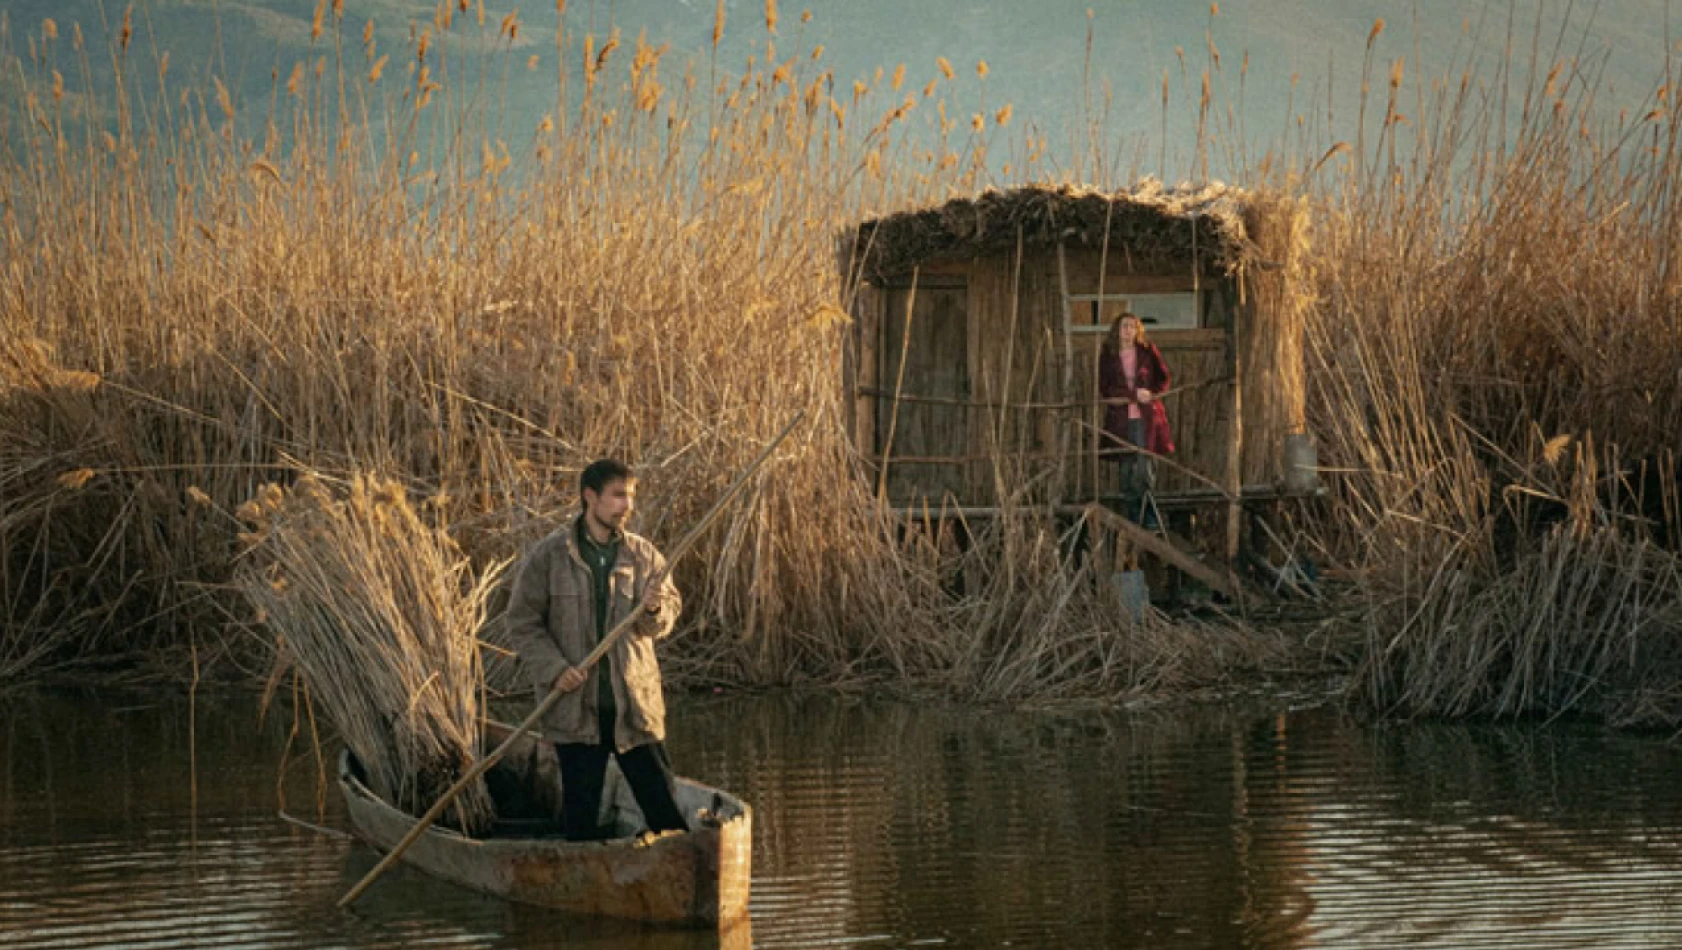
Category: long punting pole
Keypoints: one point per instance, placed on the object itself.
(554, 696)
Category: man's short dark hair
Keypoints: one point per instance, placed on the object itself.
(599, 473)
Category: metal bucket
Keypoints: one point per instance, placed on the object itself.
(1134, 593)
(1302, 464)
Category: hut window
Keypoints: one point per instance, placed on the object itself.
(1092, 313)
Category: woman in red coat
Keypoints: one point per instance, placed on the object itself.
(1132, 377)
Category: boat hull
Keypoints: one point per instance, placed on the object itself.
(698, 878)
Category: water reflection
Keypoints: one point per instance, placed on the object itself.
(1466, 836)
(895, 825)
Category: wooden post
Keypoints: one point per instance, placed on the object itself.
(1166, 549)
(899, 385)
(1001, 424)
(1235, 443)
(851, 371)
(1062, 488)
(867, 369)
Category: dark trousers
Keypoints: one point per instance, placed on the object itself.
(1138, 475)
(645, 767)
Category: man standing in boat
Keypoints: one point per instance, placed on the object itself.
(573, 587)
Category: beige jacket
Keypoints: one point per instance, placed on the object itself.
(551, 624)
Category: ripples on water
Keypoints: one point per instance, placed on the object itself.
(894, 825)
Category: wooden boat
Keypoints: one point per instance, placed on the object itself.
(697, 878)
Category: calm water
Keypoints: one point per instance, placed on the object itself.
(894, 825)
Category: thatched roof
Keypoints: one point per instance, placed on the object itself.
(1151, 222)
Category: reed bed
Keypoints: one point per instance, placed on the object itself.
(1033, 626)
(386, 282)
(648, 273)
(1493, 379)
(379, 614)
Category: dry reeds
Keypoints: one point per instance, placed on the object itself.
(1150, 220)
(651, 278)
(1582, 614)
(1492, 378)
(650, 273)
(379, 614)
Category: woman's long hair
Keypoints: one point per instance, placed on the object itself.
(1110, 345)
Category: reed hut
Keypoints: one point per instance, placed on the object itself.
(973, 358)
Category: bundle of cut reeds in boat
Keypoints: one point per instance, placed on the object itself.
(379, 613)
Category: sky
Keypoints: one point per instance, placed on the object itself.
(1278, 58)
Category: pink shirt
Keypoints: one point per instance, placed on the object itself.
(1129, 371)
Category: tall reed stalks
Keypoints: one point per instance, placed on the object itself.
(380, 615)
(1493, 379)
(383, 281)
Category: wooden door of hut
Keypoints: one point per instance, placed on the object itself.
(1188, 324)
(922, 435)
